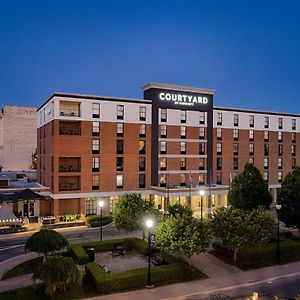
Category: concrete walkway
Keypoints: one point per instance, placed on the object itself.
(16, 282)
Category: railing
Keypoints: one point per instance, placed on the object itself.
(69, 168)
(69, 187)
(69, 112)
(69, 131)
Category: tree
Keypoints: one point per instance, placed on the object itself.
(46, 241)
(248, 190)
(237, 228)
(179, 210)
(289, 198)
(131, 210)
(184, 235)
(58, 273)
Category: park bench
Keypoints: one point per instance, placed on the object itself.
(121, 250)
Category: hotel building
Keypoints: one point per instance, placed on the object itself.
(167, 146)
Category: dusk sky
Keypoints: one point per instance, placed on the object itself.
(248, 51)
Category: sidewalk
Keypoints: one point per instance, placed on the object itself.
(16, 282)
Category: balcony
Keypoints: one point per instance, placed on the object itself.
(69, 168)
(68, 187)
(66, 112)
(69, 128)
(69, 164)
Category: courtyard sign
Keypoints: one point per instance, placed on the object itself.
(182, 99)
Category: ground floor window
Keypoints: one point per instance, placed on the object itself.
(91, 206)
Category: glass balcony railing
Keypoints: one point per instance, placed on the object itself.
(69, 186)
(69, 168)
(69, 112)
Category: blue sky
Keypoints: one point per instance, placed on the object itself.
(248, 51)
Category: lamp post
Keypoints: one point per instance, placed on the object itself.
(101, 204)
(202, 193)
(149, 224)
(278, 207)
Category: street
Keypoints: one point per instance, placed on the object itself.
(12, 245)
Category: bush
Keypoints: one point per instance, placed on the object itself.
(79, 254)
(95, 221)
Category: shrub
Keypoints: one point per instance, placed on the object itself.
(96, 221)
(78, 254)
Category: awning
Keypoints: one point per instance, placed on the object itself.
(26, 194)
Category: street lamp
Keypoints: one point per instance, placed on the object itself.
(149, 225)
(202, 193)
(101, 204)
(278, 207)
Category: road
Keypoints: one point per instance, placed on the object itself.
(12, 245)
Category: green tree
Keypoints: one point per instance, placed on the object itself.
(237, 228)
(46, 241)
(184, 235)
(248, 190)
(289, 198)
(58, 273)
(179, 210)
(131, 210)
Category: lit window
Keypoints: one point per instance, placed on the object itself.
(235, 148)
(96, 128)
(182, 163)
(120, 129)
(96, 147)
(162, 163)
(266, 163)
(96, 110)
(95, 182)
(251, 135)
(219, 133)
(183, 116)
(267, 122)
(266, 135)
(182, 147)
(201, 179)
(219, 118)
(251, 121)
(202, 148)
(293, 150)
(266, 175)
(280, 163)
(142, 113)
(142, 147)
(163, 115)
(119, 181)
(120, 112)
(251, 160)
(183, 131)
(280, 136)
(163, 130)
(202, 133)
(163, 147)
(279, 176)
(95, 164)
(201, 164)
(235, 134)
(162, 180)
(219, 148)
(293, 137)
(236, 120)
(182, 179)
(142, 130)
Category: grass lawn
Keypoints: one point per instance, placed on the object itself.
(26, 267)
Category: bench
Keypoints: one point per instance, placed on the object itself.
(121, 250)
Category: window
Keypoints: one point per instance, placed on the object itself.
(280, 123)
(251, 135)
(219, 118)
(293, 163)
(251, 149)
(293, 150)
(279, 176)
(163, 147)
(96, 110)
(266, 176)
(219, 148)
(95, 164)
(266, 163)
(142, 180)
(182, 163)
(183, 116)
(280, 149)
(162, 180)
(219, 163)
(219, 177)
(120, 112)
(96, 128)
(235, 134)
(266, 135)
(235, 148)
(201, 164)
(119, 181)
(163, 115)
(183, 132)
(163, 131)
(266, 149)
(142, 164)
(251, 121)
(236, 120)
(120, 129)
(162, 163)
(293, 137)
(202, 148)
(219, 133)
(266, 122)
(202, 133)
(235, 163)
(142, 113)
(142, 147)
(279, 164)
(95, 182)
(251, 160)
(120, 164)
(182, 147)
(202, 118)
(279, 136)
(182, 179)
(91, 206)
(142, 130)
(120, 146)
(95, 147)
(201, 179)
(293, 124)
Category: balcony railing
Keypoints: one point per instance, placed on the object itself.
(69, 131)
(69, 168)
(69, 187)
(69, 112)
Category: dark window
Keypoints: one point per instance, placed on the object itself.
(120, 112)
(96, 110)
(266, 149)
(163, 115)
(219, 163)
(202, 148)
(142, 179)
(235, 163)
(142, 130)
(142, 164)
(120, 129)
(183, 116)
(120, 147)
(120, 164)
(280, 149)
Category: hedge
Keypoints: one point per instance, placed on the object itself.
(262, 255)
(112, 282)
(96, 221)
